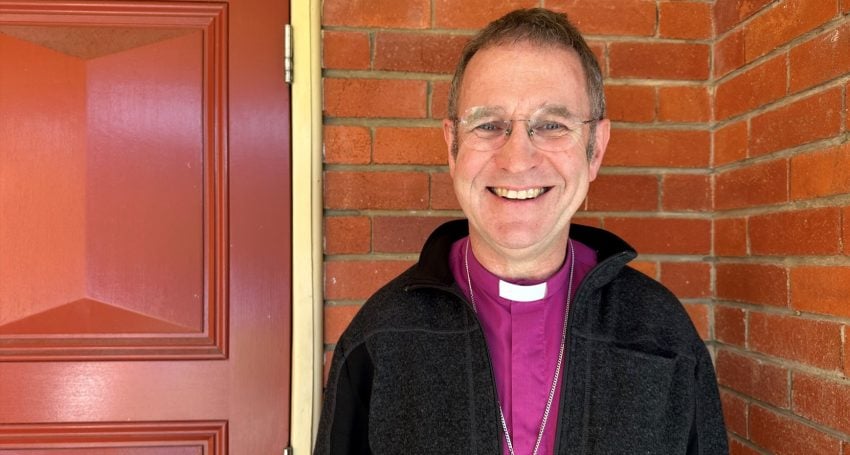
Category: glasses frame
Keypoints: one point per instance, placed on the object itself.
(508, 129)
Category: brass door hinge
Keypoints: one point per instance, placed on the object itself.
(287, 57)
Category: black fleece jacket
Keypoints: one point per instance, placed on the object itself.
(412, 374)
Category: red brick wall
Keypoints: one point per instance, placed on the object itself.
(781, 172)
(728, 169)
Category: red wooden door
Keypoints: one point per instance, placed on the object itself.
(144, 228)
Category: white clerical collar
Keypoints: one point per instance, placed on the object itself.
(520, 293)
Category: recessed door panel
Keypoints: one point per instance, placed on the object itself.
(113, 165)
(144, 228)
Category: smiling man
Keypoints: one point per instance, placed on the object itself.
(518, 332)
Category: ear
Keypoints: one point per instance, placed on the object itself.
(449, 137)
(603, 132)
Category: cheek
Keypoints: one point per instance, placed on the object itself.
(466, 166)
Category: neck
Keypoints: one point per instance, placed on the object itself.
(525, 264)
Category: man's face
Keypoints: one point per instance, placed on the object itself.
(518, 197)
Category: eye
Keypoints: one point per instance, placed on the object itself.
(550, 128)
(490, 128)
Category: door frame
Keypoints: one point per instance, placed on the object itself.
(307, 298)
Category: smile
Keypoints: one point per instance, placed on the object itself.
(529, 193)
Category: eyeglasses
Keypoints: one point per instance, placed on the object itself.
(484, 129)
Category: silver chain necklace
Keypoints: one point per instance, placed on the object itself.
(560, 351)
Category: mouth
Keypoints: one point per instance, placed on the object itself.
(518, 195)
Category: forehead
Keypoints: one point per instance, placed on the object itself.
(522, 76)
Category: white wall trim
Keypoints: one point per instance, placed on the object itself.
(305, 16)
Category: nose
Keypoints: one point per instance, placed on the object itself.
(518, 154)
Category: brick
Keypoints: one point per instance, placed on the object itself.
(686, 192)
(442, 192)
(358, 280)
(630, 103)
(684, 104)
(611, 17)
(807, 120)
(414, 14)
(599, 49)
(410, 146)
(820, 59)
(698, 312)
(755, 378)
(658, 148)
(845, 227)
(327, 357)
(440, 99)
(735, 411)
(730, 143)
(822, 290)
(782, 435)
(730, 237)
(375, 190)
(623, 192)
(801, 233)
(648, 268)
(729, 53)
(474, 14)
(685, 20)
(657, 60)
(821, 173)
(846, 350)
(759, 284)
(814, 343)
(730, 326)
(847, 103)
(751, 89)
(664, 235)
(336, 320)
(374, 98)
(346, 50)
(784, 22)
(738, 448)
(417, 52)
(347, 144)
(688, 280)
(823, 401)
(347, 234)
(404, 234)
(754, 185)
(729, 13)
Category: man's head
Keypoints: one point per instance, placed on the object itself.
(522, 126)
(540, 27)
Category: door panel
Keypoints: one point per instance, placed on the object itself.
(117, 249)
(144, 228)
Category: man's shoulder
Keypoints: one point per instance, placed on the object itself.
(404, 304)
(635, 306)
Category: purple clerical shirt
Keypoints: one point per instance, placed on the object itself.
(522, 323)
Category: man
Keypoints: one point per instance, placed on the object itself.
(517, 332)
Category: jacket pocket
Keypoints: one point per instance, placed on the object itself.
(638, 400)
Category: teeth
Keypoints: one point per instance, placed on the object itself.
(521, 194)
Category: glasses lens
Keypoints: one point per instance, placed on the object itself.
(484, 134)
(550, 131)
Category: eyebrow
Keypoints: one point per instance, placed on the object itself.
(475, 113)
(555, 109)
(478, 112)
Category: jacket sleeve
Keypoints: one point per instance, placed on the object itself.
(344, 423)
(708, 434)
